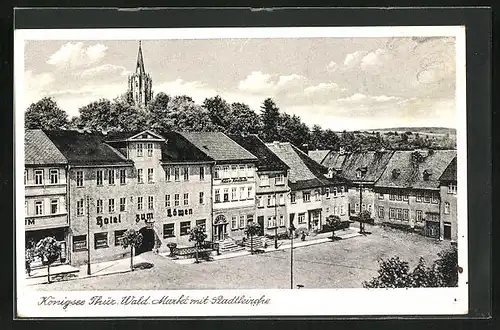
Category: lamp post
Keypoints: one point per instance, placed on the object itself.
(292, 228)
(88, 236)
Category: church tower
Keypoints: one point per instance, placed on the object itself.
(140, 83)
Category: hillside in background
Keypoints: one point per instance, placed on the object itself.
(421, 130)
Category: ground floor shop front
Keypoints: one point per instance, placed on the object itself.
(32, 237)
(231, 223)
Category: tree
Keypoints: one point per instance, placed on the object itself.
(363, 217)
(270, 119)
(293, 130)
(133, 239)
(45, 114)
(98, 116)
(331, 140)
(49, 250)
(447, 267)
(29, 257)
(219, 112)
(393, 273)
(333, 222)
(197, 234)
(252, 229)
(317, 137)
(243, 120)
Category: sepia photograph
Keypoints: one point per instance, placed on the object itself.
(240, 167)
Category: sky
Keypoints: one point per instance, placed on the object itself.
(338, 83)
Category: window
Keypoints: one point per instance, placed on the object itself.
(307, 196)
(100, 240)
(140, 179)
(79, 243)
(381, 196)
(452, 189)
(405, 196)
(399, 196)
(381, 212)
(418, 215)
(25, 207)
(249, 192)
(392, 197)
(123, 176)
(150, 150)
(242, 193)
(186, 199)
(282, 220)
(280, 179)
(79, 207)
(342, 210)
(399, 214)
(111, 205)
(264, 180)
(202, 173)
(25, 177)
(151, 202)
(139, 203)
(139, 149)
(202, 197)
(185, 226)
(217, 195)
(271, 222)
(169, 230)
(260, 202)
(334, 191)
(242, 171)
(327, 192)
(167, 200)
(168, 174)
(427, 198)
(356, 208)
(234, 223)
(435, 198)
(54, 206)
(38, 207)
(176, 200)
(342, 190)
(392, 213)
(123, 202)
(363, 207)
(335, 210)
(185, 173)
(302, 218)
(446, 208)
(176, 174)
(282, 199)
(234, 171)
(225, 172)
(249, 218)
(419, 197)
(233, 194)
(249, 171)
(242, 221)
(151, 177)
(317, 196)
(271, 201)
(39, 177)
(99, 206)
(111, 177)
(226, 195)
(202, 223)
(119, 237)
(54, 176)
(217, 174)
(406, 214)
(292, 198)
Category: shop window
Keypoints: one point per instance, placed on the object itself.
(169, 230)
(100, 240)
(202, 224)
(185, 227)
(119, 237)
(79, 243)
(54, 176)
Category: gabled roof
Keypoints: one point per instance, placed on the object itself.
(146, 135)
(334, 159)
(267, 160)
(304, 172)
(373, 162)
(179, 149)
(450, 173)
(40, 150)
(85, 148)
(318, 155)
(402, 173)
(218, 146)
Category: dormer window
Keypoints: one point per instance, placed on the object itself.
(395, 173)
(361, 171)
(427, 174)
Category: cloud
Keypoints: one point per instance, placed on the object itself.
(76, 55)
(106, 69)
(358, 97)
(261, 83)
(322, 87)
(332, 66)
(353, 59)
(376, 58)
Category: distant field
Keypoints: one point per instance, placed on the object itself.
(421, 130)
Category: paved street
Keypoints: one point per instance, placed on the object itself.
(342, 264)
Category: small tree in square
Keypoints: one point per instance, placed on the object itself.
(333, 222)
(133, 239)
(197, 234)
(49, 250)
(252, 229)
(364, 217)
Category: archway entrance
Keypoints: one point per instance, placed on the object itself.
(220, 228)
(148, 240)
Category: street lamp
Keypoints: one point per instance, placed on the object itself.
(292, 229)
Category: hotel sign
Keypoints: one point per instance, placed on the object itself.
(43, 222)
(100, 221)
(179, 212)
(232, 180)
(147, 217)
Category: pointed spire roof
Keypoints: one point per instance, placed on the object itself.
(140, 61)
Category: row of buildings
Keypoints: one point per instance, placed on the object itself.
(86, 189)
(414, 189)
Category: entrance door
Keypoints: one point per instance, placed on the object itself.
(148, 240)
(433, 229)
(220, 231)
(447, 231)
(260, 220)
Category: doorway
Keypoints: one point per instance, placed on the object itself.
(447, 230)
(220, 227)
(260, 220)
(148, 240)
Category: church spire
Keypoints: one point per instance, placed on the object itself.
(140, 61)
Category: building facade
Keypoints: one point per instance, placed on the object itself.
(448, 210)
(140, 84)
(45, 177)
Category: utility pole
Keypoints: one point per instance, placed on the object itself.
(292, 228)
(275, 221)
(88, 235)
(360, 207)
